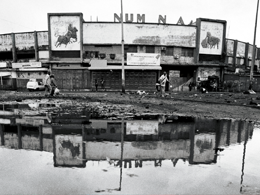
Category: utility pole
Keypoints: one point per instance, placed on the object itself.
(123, 63)
(254, 48)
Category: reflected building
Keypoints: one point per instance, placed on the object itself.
(193, 140)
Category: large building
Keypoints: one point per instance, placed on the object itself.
(79, 53)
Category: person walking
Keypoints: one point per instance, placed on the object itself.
(47, 82)
(163, 79)
(53, 85)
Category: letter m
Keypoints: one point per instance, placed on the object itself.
(140, 18)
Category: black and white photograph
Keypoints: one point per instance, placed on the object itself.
(137, 97)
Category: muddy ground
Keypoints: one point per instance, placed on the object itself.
(212, 104)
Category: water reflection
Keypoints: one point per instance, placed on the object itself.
(76, 140)
(195, 140)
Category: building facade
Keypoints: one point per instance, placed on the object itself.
(81, 53)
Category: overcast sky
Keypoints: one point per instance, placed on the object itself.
(31, 15)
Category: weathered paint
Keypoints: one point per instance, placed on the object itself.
(11, 140)
(24, 41)
(230, 47)
(141, 34)
(42, 38)
(241, 49)
(138, 150)
(6, 42)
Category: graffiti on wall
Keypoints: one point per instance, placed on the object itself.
(5, 42)
(24, 41)
(211, 38)
(65, 32)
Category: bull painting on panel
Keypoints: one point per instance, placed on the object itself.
(65, 32)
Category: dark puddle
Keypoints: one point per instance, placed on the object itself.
(77, 140)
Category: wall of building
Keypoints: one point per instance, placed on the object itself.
(134, 79)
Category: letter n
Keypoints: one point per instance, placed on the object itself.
(161, 19)
(141, 18)
(116, 17)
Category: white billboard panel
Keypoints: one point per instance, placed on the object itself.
(142, 127)
(146, 59)
(139, 34)
(211, 38)
(65, 32)
(241, 49)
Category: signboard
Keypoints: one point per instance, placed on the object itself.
(142, 127)
(230, 47)
(64, 31)
(24, 41)
(141, 34)
(241, 48)
(6, 42)
(5, 121)
(3, 64)
(147, 59)
(211, 38)
(27, 65)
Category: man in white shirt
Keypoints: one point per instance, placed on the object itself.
(47, 83)
(163, 79)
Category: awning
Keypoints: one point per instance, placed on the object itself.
(126, 68)
(5, 74)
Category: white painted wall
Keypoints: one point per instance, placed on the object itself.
(139, 34)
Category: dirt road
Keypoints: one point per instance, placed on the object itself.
(213, 105)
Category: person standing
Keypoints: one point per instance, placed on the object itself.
(96, 84)
(46, 83)
(102, 82)
(53, 84)
(163, 79)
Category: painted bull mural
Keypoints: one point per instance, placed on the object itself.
(210, 41)
(69, 37)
